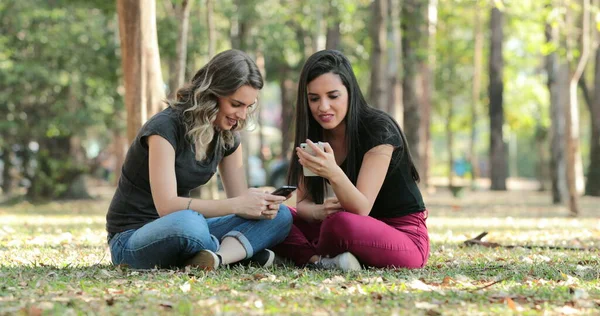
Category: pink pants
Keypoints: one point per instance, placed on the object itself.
(400, 242)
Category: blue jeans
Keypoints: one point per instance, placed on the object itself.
(173, 239)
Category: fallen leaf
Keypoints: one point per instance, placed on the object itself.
(335, 279)
(185, 287)
(419, 285)
(114, 291)
(425, 305)
(376, 296)
(567, 310)
(511, 304)
(207, 302)
(33, 311)
(356, 289)
(447, 280)
(258, 276)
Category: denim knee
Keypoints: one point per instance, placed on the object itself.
(284, 218)
(192, 227)
(282, 223)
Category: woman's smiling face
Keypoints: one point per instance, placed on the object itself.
(235, 107)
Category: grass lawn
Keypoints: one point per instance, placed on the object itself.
(54, 260)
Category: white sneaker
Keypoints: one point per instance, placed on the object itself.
(345, 262)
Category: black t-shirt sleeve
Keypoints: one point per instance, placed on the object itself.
(382, 132)
(163, 125)
(237, 140)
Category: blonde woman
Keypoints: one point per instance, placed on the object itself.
(153, 222)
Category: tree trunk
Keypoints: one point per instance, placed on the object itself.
(593, 176)
(140, 60)
(427, 67)
(120, 143)
(240, 25)
(394, 102)
(541, 167)
(212, 37)
(475, 94)
(333, 36)
(413, 24)
(450, 144)
(378, 88)
(260, 63)
(574, 165)
(7, 179)
(286, 87)
(178, 74)
(558, 163)
(498, 157)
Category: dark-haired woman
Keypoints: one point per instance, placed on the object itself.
(364, 206)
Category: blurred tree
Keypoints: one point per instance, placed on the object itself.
(574, 164)
(333, 27)
(557, 145)
(394, 101)
(212, 36)
(59, 83)
(498, 156)
(476, 89)
(593, 175)
(140, 59)
(427, 67)
(414, 28)
(179, 11)
(378, 86)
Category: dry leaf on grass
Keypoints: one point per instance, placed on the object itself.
(185, 287)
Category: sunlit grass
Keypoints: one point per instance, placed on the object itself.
(54, 259)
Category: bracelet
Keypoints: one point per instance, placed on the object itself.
(188, 206)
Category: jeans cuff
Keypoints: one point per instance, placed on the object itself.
(243, 240)
(216, 240)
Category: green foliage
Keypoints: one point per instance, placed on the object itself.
(60, 73)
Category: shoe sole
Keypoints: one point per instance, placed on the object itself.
(348, 262)
(270, 260)
(204, 259)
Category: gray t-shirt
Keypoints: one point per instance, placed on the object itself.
(132, 205)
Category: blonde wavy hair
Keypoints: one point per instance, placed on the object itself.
(197, 100)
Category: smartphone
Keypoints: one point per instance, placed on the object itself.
(308, 149)
(284, 190)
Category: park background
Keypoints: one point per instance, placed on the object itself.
(500, 102)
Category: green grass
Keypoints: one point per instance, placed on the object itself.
(54, 260)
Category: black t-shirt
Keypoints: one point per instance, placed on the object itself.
(399, 195)
(132, 205)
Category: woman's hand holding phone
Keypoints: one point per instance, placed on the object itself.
(321, 163)
(256, 204)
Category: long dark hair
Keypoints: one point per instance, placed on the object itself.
(332, 61)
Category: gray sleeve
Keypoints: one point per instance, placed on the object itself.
(163, 125)
(237, 140)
